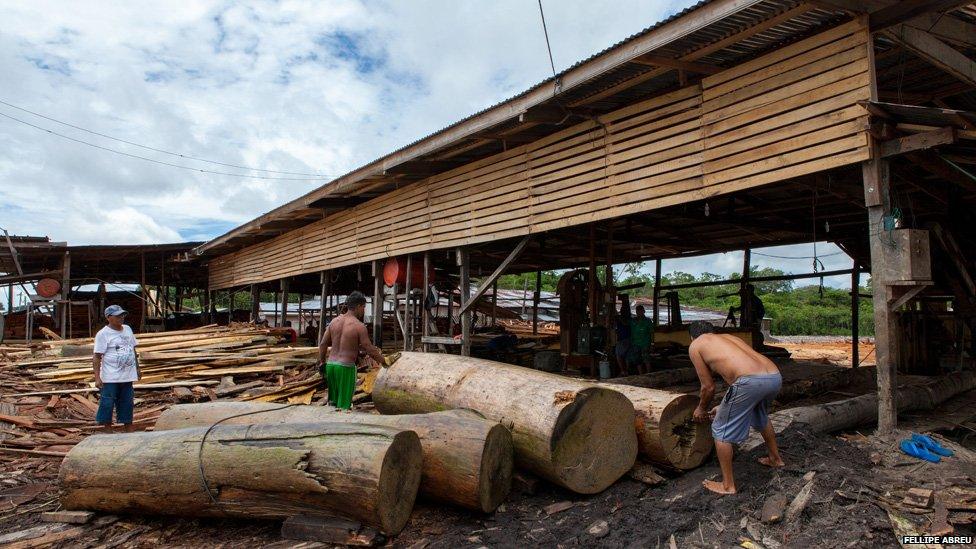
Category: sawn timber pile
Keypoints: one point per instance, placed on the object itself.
(467, 458)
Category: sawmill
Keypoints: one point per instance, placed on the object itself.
(500, 415)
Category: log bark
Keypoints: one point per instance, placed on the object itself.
(666, 432)
(467, 459)
(851, 412)
(576, 435)
(367, 473)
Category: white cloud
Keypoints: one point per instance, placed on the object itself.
(301, 86)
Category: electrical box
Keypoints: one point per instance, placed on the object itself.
(907, 255)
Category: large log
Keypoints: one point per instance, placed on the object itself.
(367, 473)
(666, 432)
(577, 435)
(467, 458)
(860, 410)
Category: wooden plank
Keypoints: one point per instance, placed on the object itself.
(918, 141)
(936, 52)
(486, 283)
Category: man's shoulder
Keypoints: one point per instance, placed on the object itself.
(103, 332)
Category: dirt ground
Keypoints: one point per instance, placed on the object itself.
(836, 352)
(856, 479)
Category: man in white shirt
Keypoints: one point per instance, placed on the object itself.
(116, 367)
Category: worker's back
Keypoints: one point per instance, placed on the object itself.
(730, 357)
(345, 334)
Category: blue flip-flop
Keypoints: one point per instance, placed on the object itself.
(916, 450)
(931, 445)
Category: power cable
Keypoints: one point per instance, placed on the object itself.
(545, 31)
(154, 149)
(153, 160)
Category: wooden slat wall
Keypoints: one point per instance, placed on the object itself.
(791, 112)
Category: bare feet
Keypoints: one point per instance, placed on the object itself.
(718, 487)
(768, 462)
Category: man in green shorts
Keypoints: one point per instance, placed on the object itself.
(343, 341)
(641, 340)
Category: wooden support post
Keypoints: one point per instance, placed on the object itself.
(407, 308)
(398, 327)
(745, 301)
(535, 302)
(592, 281)
(277, 303)
(855, 315)
(142, 292)
(301, 298)
(494, 302)
(377, 304)
(657, 291)
(464, 261)
(876, 174)
(284, 301)
(66, 292)
(425, 313)
(326, 281)
(255, 303)
(450, 312)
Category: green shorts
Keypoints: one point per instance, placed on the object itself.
(341, 381)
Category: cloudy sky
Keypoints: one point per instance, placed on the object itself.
(297, 87)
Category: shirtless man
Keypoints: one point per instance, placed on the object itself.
(344, 339)
(753, 382)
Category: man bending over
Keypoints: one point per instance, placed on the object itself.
(753, 381)
(343, 341)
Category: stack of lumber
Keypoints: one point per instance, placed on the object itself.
(48, 398)
(190, 356)
(522, 328)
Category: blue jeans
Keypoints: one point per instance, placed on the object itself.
(118, 396)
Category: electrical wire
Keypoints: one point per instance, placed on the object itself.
(154, 149)
(153, 160)
(546, 33)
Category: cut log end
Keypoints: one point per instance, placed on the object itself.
(497, 464)
(686, 443)
(591, 446)
(399, 481)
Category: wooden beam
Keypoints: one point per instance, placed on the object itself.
(945, 27)
(407, 306)
(486, 283)
(535, 302)
(425, 313)
(464, 261)
(284, 301)
(66, 291)
(936, 52)
(937, 166)
(325, 280)
(918, 142)
(877, 182)
(657, 292)
(28, 277)
(654, 60)
(855, 316)
(377, 304)
(255, 303)
(906, 10)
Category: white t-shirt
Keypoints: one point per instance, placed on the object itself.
(118, 349)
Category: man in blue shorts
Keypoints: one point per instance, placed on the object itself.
(753, 380)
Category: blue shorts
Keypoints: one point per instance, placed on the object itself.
(745, 404)
(117, 396)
